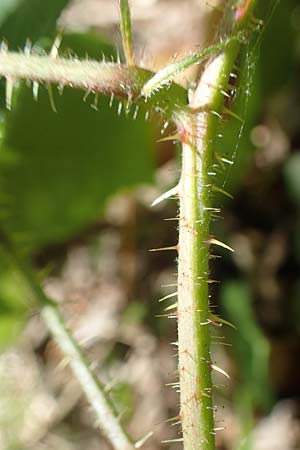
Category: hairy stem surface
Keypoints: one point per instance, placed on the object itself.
(122, 81)
(193, 331)
(198, 130)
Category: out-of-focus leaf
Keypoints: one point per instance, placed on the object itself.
(22, 20)
(123, 399)
(10, 328)
(70, 162)
(12, 303)
(250, 345)
(276, 62)
(30, 19)
(135, 313)
(251, 351)
(295, 308)
(292, 177)
(6, 8)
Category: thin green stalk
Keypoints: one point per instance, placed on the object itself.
(126, 31)
(198, 130)
(168, 73)
(106, 416)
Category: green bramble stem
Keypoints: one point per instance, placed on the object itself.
(198, 130)
(193, 327)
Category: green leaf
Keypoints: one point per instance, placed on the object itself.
(12, 303)
(251, 350)
(250, 346)
(22, 20)
(7, 7)
(292, 177)
(69, 163)
(30, 19)
(123, 399)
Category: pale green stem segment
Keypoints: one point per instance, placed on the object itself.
(193, 325)
(126, 31)
(167, 74)
(193, 270)
(105, 414)
(198, 130)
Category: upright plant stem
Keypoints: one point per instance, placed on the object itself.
(193, 331)
(198, 130)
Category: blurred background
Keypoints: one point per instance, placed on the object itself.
(76, 185)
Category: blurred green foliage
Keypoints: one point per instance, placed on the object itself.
(59, 168)
(13, 305)
(249, 344)
(21, 20)
(122, 396)
(69, 162)
(292, 178)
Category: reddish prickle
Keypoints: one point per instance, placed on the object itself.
(242, 10)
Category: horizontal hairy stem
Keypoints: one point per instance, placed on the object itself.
(106, 416)
(104, 77)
